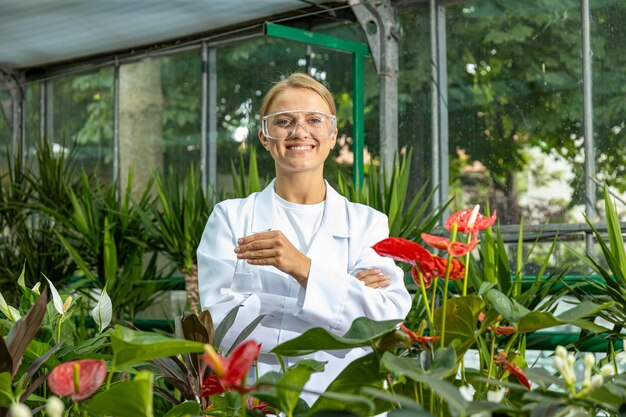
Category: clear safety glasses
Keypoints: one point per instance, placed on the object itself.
(284, 124)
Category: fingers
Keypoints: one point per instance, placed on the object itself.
(373, 278)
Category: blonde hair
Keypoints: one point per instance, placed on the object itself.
(298, 80)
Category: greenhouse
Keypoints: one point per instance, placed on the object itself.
(151, 151)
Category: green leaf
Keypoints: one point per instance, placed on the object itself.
(362, 372)
(182, 409)
(6, 393)
(225, 325)
(131, 347)
(461, 319)
(538, 320)
(362, 332)
(126, 399)
(443, 365)
(291, 384)
(510, 309)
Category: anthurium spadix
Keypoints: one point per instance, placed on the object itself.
(103, 311)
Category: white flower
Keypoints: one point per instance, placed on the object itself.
(496, 396)
(607, 370)
(590, 360)
(561, 352)
(596, 381)
(55, 407)
(467, 391)
(20, 410)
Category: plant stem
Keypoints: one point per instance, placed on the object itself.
(425, 298)
(445, 287)
(467, 257)
(492, 351)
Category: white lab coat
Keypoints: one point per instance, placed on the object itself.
(333, 297)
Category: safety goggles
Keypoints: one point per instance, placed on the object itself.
(284, 124)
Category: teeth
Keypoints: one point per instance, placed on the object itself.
(300, 148)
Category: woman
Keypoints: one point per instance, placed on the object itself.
(311, 246)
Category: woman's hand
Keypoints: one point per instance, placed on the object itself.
(273, 248)
(373, 278)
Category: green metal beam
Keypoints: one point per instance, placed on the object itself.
(359, 51)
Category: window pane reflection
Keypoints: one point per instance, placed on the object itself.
(515, 109)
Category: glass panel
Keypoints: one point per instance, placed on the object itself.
(181, 77)
(83, 119)
(515, 109)
(33, 117)
(245, 72)
(414, 94)
(608, 37)
(6, 134)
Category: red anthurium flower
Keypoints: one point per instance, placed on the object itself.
(457, 268)
(428, 278)
(463, 219)
(417, 338)
(80, 379)
(404, 250)
(231, 370)
(443, 243)
(211, 386)
(512, 369)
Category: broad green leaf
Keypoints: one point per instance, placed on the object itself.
(56, 298)
(357, 404)
(6, 393)
(362, 332)
(362, 372)
(126, 399)
(443, 365)
(102, 313)
(291, 384)
(538, 320)
(182, 409)
(461, 319)
(225, 325)
(131, 347)
(510, 309)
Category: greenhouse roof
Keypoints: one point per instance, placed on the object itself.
(42, 32)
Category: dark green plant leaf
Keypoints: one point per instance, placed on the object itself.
(510, 309)
(6, 391)
(461, 320)
(126, 399)
(186, 408)
(246, 331)
(362, 332)
(225, 325)
(132, 347)
(362, 372)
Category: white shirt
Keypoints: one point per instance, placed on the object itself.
(334, 297)
(298, 222)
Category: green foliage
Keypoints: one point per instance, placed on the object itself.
(407, 218)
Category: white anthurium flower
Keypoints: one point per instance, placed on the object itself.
(36, 288)
(496, 396)
(20, 410)
(11, 313)
(102, 313)
(55, 407)
(56, 298)
(467, 391)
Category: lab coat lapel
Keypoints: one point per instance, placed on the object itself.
(328, 243)
(264, 215)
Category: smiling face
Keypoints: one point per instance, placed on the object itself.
(301, 152)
